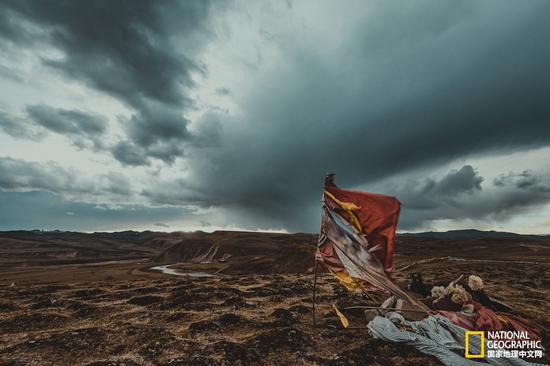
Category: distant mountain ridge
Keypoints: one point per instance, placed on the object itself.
(464, 234)
(475, 234)
(241, 251)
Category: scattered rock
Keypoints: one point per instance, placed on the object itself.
(45, 303)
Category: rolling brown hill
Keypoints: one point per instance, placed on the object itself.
(253, 252)
(245, 252)
(64, 247)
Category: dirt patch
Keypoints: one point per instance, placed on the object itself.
(235, 353)
(48, 302)
(32, 322)
(380, 353)
(179, 316)
(204, 326)
(7, 307)
(145, 300)
(280, 340)
(88, 294)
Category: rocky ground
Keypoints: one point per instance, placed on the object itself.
(123, 313)
(227, 320)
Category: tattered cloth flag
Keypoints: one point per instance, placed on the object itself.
(357, 238)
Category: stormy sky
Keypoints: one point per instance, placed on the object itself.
(185, 115)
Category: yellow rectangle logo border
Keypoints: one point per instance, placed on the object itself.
(466, 343)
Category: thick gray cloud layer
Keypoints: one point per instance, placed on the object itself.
(414, 85)
(122, 48)
(48, 196)
(459, 196)
(19, 127)
(21, 175)
(85, 130)
(408, 86)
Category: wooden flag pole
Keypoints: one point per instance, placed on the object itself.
(314, 288)
(328, 182)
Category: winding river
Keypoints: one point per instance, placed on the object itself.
(170, 271)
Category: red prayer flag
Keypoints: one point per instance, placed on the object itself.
(377, 216)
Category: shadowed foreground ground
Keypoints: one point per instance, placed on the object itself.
(123, 313)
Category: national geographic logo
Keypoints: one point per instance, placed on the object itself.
(481, 341)
(504, 344)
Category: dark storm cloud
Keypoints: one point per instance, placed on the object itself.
(524, 180)
(459, 195)
(122, 48)
(457, 181)
(157, 132)
(22, 175)
(129, 154)
(412, 85)
(19, 127)
(431, 193)
(82, 128)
